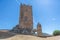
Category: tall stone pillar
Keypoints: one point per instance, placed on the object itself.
(39, 30)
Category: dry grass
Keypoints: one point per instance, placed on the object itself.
(29, 37)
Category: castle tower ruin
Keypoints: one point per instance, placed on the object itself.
(25, 19)
(39, 30)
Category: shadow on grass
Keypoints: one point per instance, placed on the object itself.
(4, 35)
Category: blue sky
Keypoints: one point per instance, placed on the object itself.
(46, 12)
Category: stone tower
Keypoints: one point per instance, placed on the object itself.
(25, 19)
(39, 30)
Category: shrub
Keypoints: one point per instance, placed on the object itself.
(56, 32)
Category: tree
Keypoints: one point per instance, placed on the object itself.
(56, 32)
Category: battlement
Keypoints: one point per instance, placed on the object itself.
(26, 5)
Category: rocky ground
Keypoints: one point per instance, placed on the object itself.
(29, 37)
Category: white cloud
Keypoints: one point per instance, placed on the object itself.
(53, 19)
(43, 2)
(18, 2)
